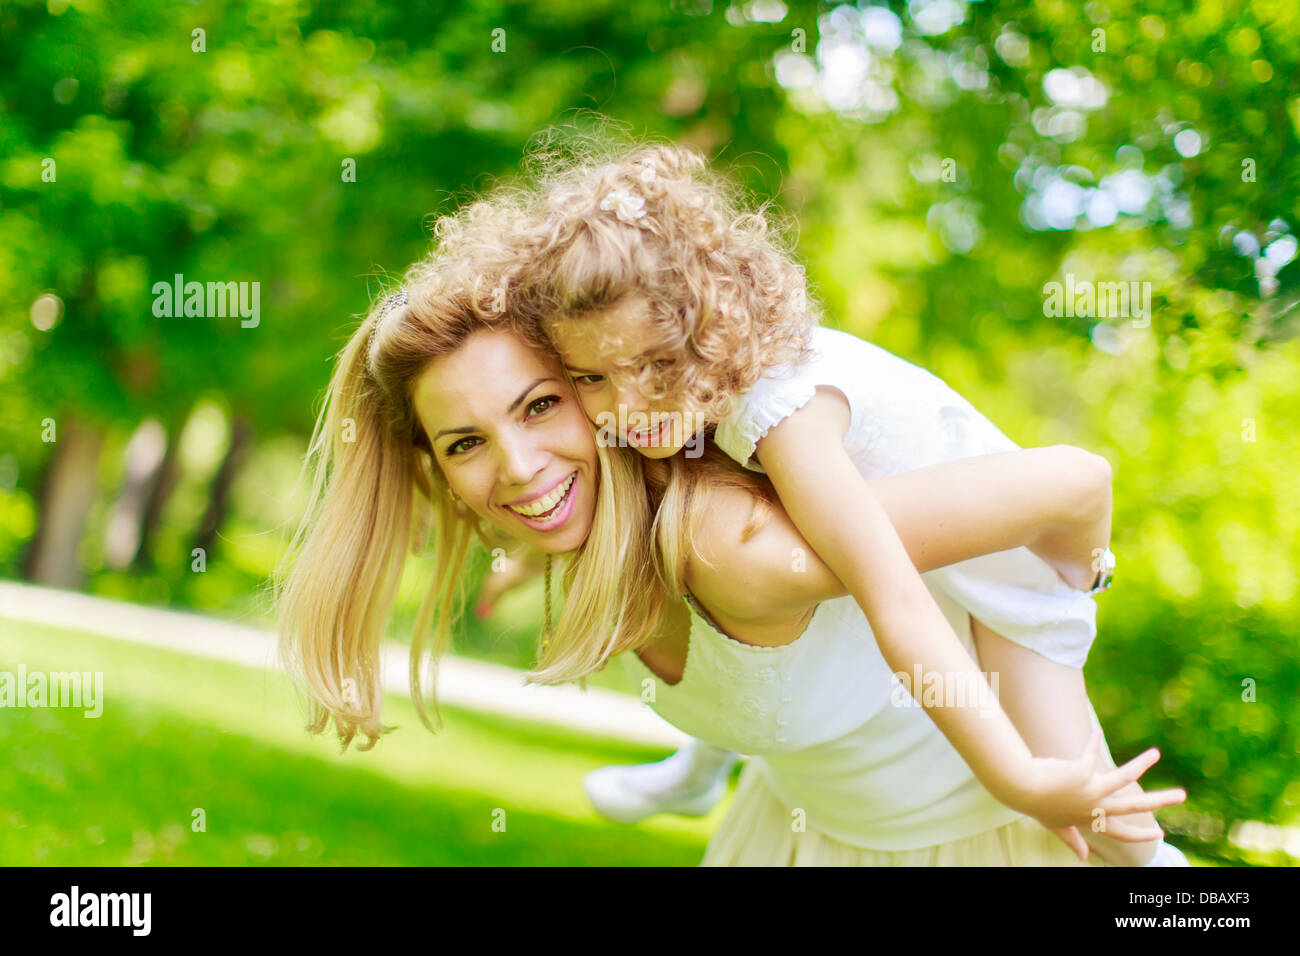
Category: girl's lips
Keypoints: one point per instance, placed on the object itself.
(557, 516)
(649, 439)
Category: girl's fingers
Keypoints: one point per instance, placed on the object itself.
(1121, 777)
(1070, 837)
(1128, 833)
(1144, 802)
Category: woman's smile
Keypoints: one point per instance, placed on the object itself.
(549, 510)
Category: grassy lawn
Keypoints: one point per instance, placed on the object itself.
(180, 734)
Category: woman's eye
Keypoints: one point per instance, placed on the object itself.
(456, 447)
(543, 404)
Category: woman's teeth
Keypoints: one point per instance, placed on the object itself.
(542, 505)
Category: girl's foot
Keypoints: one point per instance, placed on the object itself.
(1168, 855)
(690, 783)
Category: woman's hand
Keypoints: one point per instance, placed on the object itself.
(1065, 794)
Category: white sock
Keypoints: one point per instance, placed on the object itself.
(693, 769)
(1167, 855)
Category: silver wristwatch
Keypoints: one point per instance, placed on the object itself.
(1107, 573)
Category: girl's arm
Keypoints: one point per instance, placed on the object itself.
(836, 511)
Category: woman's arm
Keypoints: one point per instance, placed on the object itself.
(1056, 501)
(1053, 500)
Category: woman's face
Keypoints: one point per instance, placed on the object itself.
(511, 439)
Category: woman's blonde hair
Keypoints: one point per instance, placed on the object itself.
(377, 492)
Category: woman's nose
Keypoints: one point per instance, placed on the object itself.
(521, 459)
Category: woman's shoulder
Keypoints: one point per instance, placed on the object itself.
(753, 573)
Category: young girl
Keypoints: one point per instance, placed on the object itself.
(679, 319)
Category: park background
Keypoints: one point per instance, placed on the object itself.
(944, 162)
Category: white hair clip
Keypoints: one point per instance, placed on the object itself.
(627, 207)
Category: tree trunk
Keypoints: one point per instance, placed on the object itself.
(167, 475)
(143, 462)
(67, 494)
(241, 443)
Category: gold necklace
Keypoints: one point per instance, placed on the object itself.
(546, 633)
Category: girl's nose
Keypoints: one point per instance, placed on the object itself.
(630, 397)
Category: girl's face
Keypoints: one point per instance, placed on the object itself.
(596, 348)
(511, 439)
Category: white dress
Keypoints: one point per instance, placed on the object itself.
(844, 769)
(902, 418)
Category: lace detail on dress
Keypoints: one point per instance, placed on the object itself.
(751, 696)
(753, 683)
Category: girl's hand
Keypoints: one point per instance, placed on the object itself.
(1065, 794)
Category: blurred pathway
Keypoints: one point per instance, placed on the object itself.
(473, 685)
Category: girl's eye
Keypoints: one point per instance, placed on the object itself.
(543, 404)
(589, 379)
(661, 364)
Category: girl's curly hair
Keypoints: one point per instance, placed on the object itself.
(726, 293)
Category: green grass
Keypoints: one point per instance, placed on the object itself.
(180, 733)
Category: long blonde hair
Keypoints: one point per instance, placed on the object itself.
(377, 493)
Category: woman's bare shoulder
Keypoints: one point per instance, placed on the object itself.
(771, 572)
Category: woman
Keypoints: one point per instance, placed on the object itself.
(442, 412)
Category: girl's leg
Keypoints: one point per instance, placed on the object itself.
(690, 782)
(1049, 705)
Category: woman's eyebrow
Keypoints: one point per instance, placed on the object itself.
(454, 431)
(524, 394)
(468, 430)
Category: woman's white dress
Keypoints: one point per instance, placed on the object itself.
(845, 768)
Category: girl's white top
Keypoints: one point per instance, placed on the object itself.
(832, 731)
(903, 418)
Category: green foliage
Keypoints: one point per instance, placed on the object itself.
(956, 159)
